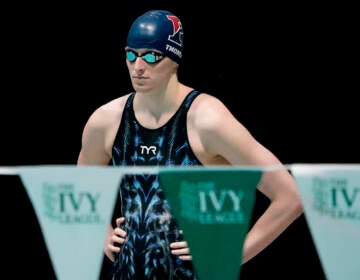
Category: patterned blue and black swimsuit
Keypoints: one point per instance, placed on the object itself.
(149, 225)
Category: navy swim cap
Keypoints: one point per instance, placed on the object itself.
(159, 30)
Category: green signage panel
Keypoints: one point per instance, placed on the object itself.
(213, 207)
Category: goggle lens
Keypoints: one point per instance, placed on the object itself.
(131, 56)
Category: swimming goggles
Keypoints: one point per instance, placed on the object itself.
(150, 57)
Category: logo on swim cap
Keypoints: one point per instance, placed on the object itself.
(177, 35)
(159, 30)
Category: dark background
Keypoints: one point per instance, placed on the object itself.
(287, 72)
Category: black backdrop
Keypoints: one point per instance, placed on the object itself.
(287, 72)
